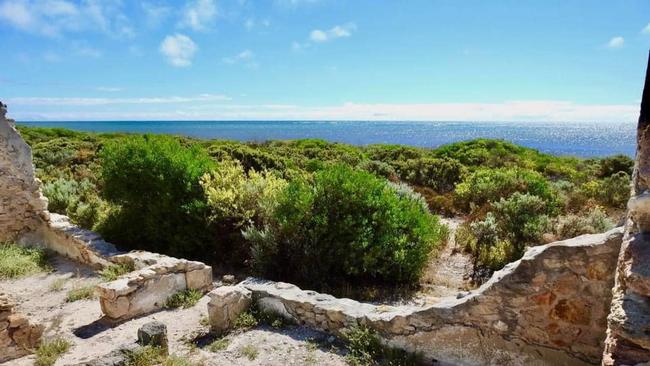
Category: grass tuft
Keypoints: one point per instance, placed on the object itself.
(80, 293)
(185, 299)
(17, 261)
(249, 351)
(219, 345)
(245, 320)
(50, 350)
(114, 271)
(58, 284)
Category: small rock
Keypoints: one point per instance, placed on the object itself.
(228, 279)
(153, 334)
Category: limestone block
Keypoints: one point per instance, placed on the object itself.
(199, 279)
(226, 303)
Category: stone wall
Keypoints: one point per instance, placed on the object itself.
(155, 279)
(22, 207)
(628, 333)
(17, 335)
(549, 308)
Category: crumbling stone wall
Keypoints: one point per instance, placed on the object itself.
(549, 308)
(22, 207)
(628, 333)
(17, 335)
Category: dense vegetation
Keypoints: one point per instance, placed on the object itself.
(321, 213)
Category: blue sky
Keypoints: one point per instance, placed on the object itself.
(551, 60)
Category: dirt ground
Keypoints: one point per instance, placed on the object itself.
(42, 297)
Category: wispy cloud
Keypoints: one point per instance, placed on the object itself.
(616, 42)
(246, 57)
(338, 31)
(155, 14)
(251, 23)
(199, 15)
(53, 18)
(108, 89)
(179, 49)
(80, 101)
(646, 29)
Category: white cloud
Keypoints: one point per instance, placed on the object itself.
(205, 108)
(616, 42)
(80, 101)
(338, 31)
(646, 29)
(199, 15)
(55, 17)
(179, 49)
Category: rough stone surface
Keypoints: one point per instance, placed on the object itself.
(549, 308)
(153, 334)
(628, 332)
(226, 304)
(155, 279)
(22, 207)
(17, 336)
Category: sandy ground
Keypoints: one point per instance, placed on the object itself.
(448, 273)
(40, 298)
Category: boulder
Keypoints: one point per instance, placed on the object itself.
(153, 334)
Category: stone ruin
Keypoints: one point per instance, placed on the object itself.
(582, 301)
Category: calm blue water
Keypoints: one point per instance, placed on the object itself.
(579, 139)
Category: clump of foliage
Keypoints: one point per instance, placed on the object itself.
(246, 320)
(592, 222)
(152, 355)
(80, 293)
(345, 224)
(184, 299)
(18, 261)
(49, 351)
(153, 183)
(219, 345)
(365, 349)
(112, 272)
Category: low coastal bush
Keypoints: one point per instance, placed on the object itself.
(344, 225)
(158, 204)
(18, 261)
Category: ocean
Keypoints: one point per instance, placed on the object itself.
(581, 139)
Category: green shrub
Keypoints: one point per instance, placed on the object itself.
(438, 174)
(615, 190)
(344, 225)
(184, 299)
(239, 197)
(591, 222)
(490, 185)
(481, 239)
(365, 349)
(49, 351)
(154, 183)
(18, 261)
(614, 164)
(114, 271)
(522, 219)
(60, 194)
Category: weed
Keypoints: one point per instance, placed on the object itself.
(80, 293)
(17, 261)
(114, 271)
(185, 299)
(58, 284)
(246, 320)
(49, 351)
(249, 351)
(219, 345)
